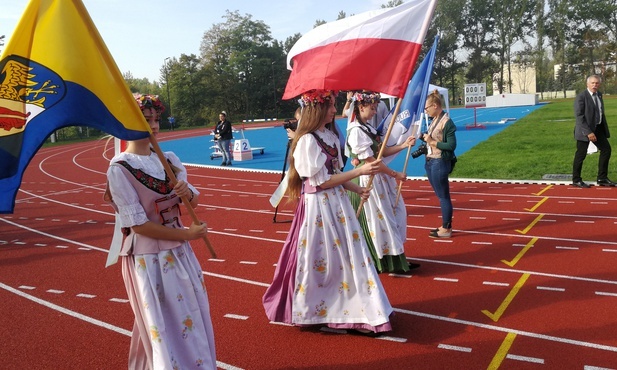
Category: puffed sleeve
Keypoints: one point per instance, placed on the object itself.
(181, 175)
(125, 197)
(310, 161)
(360, 143)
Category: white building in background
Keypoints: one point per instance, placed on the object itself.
(523, 80)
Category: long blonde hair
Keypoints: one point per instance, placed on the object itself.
(312, 118)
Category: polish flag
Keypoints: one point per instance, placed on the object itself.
(375, 50)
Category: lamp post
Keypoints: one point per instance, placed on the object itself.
(276, 109)
(171, 119)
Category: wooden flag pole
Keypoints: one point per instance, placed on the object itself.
(174, 180)
(400, 184)
(381, 150)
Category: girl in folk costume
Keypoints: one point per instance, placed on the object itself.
(383, 219)
(325, 274)
(162, 276)
(441, 143)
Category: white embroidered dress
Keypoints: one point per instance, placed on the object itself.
(387, 220)
(336, 281)
(164, 279)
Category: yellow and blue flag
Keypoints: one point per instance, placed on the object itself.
(55, 72)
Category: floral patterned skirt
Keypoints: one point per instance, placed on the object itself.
(335, 280)
(172, 327)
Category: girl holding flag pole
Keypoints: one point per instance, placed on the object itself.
(325, 274)
(383, 217)
(163, 278)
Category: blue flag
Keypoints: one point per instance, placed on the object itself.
(412, 105)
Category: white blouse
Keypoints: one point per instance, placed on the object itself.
(310, 160)
(359, 141)
(124, 194)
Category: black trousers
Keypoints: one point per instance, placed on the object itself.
(581, 153)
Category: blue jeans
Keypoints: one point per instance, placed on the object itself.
(224, 147)
(437, 171)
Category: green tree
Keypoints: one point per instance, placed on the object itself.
(508, 33)
(392, 3)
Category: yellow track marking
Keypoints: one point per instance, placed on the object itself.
(537, 205)
(531, 224)
(502, 352)
(543, 190)
(521, 253)
(506, 302)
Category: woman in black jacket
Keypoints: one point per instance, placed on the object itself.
(223, 135)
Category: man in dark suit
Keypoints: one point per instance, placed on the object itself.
(591, 126)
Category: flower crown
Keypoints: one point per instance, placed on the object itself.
(314, 97)
(367, 97)
(149, 101)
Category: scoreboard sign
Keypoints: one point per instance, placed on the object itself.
(475, 95)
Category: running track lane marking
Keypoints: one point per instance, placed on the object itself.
(521, 253)
(502, 352)
(537, 205)
(88, 319)
(532, 224)
(528, 334)
(543, 190)
(506, 302)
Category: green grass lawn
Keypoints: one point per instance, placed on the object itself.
(538, 144)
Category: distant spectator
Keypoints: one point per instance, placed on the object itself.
(591, 126)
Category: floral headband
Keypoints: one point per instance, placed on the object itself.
(314, 97)
(367, 97)
(149, 101)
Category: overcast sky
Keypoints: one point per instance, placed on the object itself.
(177, 26)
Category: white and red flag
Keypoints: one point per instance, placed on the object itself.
(375, 50)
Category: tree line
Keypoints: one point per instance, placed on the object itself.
(241, 68)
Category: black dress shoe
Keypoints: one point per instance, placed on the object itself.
(606, 182)
(413, 265)
(580, 184)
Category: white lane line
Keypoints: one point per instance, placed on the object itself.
(588, 367)
(55, 291)
(510, 219)
(494, 283)
(528, 334)
(607, 294)
(392, 339)
(482, 243)
(280, 323)
(599, 202)
(609, 250)
(26, 287)
(504, 200)
(62, 246)
(565, 202)
(516, 271)
(215, 260)
(237, 317)
(84, 295)
(568, 248)
(256, 231)
(476, 200)
(119, 300)
(400, 276)
(525, 359)
(66, 311)
(584, 222)
(442, 241)
(477, 218)
(454, 348)
(248, 263)
(40, 245)
(551, 288)
(449, 280)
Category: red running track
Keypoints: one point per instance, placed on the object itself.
(529, 280)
